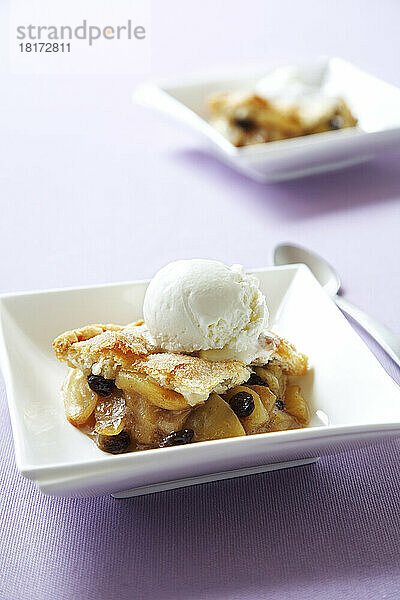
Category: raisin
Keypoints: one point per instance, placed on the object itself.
(280, 405)
(336, 122)
(114, 444)
(245, 124)
(100, 385)
(242, 404)
(177, 438)
(256, 380)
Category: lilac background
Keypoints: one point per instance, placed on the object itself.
(93, 189)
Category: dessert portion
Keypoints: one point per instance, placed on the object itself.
(202, 366)
(282, 105)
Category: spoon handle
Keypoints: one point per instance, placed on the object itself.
(386, 338)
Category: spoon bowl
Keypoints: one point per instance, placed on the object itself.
(289, 254)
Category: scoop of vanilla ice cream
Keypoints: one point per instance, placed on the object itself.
(203, 305)
(292, 87)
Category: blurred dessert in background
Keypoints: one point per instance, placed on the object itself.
(282, 105)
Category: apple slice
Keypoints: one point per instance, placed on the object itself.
(282, 421)
(258, 418)
(136, 383)
(110, 414)
(148, 423)
(79, 400)
(266, 396)
(214, 420)
(295, 404)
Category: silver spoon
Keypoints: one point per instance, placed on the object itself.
(287, 254)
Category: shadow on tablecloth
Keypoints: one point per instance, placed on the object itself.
(369, 183)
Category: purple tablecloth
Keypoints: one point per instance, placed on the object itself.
(92, 190)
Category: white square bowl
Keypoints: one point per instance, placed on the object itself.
(353, 400)
(375, 103)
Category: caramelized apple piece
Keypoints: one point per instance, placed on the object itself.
(266, 396)
(148, 423)
(110, 414)
(258, 418)
(172, 420)
(145, 417)
(295, 404)
(275, 379)
(214, 420)
(281, 421)
(135, 383)
(79, 400)
(269, 378)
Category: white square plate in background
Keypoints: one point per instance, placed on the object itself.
(375, 103)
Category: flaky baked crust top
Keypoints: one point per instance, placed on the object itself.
(105, 349)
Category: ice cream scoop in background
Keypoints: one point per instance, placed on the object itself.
(292, 87)
(204, 306)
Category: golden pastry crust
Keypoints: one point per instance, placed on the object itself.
(122, 342)
(291, 362)
(65, 341)
(183, 372)
(107, 349)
